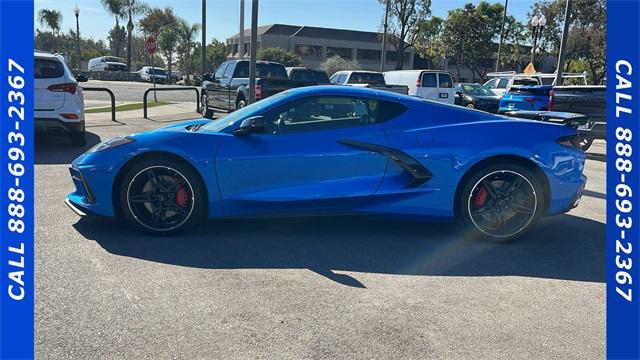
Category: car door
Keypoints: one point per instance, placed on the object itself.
(445, 88)
(428, 88)
(213, 88)
(309, 158)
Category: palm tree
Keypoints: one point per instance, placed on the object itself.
(51, 19)
(117, 9)
(187, 44)
(132, 8)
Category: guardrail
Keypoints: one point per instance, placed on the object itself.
(113, 99)
(173, 88)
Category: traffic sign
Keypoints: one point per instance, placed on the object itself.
(150, 45)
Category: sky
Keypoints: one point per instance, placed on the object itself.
(223, 15)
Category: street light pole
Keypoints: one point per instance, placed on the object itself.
(563, 44)
(254, 51)
(241, 33)
(538, 23)
(203, 45)
(504, 17)
(383, 57)
(77, 12)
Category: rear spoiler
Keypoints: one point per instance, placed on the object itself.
(566, 118)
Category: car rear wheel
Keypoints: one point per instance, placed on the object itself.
(500, 202)
(240, 103)
(162, 197)
(471, 106)
(585, 143)
(204, 107)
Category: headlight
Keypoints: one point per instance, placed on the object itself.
(111, 143)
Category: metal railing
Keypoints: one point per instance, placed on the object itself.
(173, 88)
(113, 99)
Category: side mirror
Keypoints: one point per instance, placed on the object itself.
(254, 124)
(459, 93)
(206, 77)
(82, 78)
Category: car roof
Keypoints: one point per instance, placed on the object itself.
(352, 91)
(45, 55)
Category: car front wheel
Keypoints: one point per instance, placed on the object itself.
(500, 202)
(204, 107)
(162, 196)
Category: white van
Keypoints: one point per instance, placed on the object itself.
(428, 84)
(107, 63)
(150, 74)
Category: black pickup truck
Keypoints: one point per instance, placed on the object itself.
(581, 107)
(228, 88)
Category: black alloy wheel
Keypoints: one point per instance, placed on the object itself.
(501, 203)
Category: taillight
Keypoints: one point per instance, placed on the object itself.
(258, 91)
(550, 102)
(68, 87)
(572, 141)
(70, 116)
(418, 83)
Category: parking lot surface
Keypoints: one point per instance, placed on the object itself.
(131, 91)
(339, 288)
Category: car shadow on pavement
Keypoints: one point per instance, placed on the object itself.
(564, 247)
(58, 149)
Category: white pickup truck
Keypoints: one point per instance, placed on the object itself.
(368, 79)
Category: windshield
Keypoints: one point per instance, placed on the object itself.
(477, 90)
(113, 59)
(310, 76)
(243, 113)
(156, 71)
(367, 78)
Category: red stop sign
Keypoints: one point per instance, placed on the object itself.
(150, 45)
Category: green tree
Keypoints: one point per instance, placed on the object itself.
(404, 16)
(428, 42)
(116, 9)
(156, 19)
(335, 63)
(283, 56)
(186, 48)
(168, 42)
(115, 45)
(216, 54)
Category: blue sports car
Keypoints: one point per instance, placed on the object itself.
(337, 150)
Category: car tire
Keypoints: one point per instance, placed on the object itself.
(162, 196)
(204, 107)
(500, 202)
(78, 139)
(585, 143)
(240, 103)
(471, 106)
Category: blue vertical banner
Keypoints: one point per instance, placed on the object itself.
(16, 180)
(623, 182)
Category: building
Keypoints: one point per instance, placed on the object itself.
(315, 44)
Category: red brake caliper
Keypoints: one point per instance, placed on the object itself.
(181, 196)
(481, 198)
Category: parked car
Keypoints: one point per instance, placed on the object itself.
(228, 88)
(175, 76)
(307, 76)
(584, 106)
(193, 80)
(107, 63)
(368, 79)
(476, 96)
(501, 82)
(427, 84)
(336, 150)
(153, 74)
(527, 97)
(59, 102)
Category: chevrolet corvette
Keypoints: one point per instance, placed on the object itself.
(329, 150)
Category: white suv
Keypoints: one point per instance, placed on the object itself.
(59, 103)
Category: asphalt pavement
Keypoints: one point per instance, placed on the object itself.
(312, 288)
(131, 91)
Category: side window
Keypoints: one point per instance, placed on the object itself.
(342, 79)
(429, 80)
(445, 81)
(502, 83)
(241, 70)
(220, 71)
(228, 73)
(334, 79)
(491, 83)
(319, 113)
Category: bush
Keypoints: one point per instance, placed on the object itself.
(283, 56)
(334, 64)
